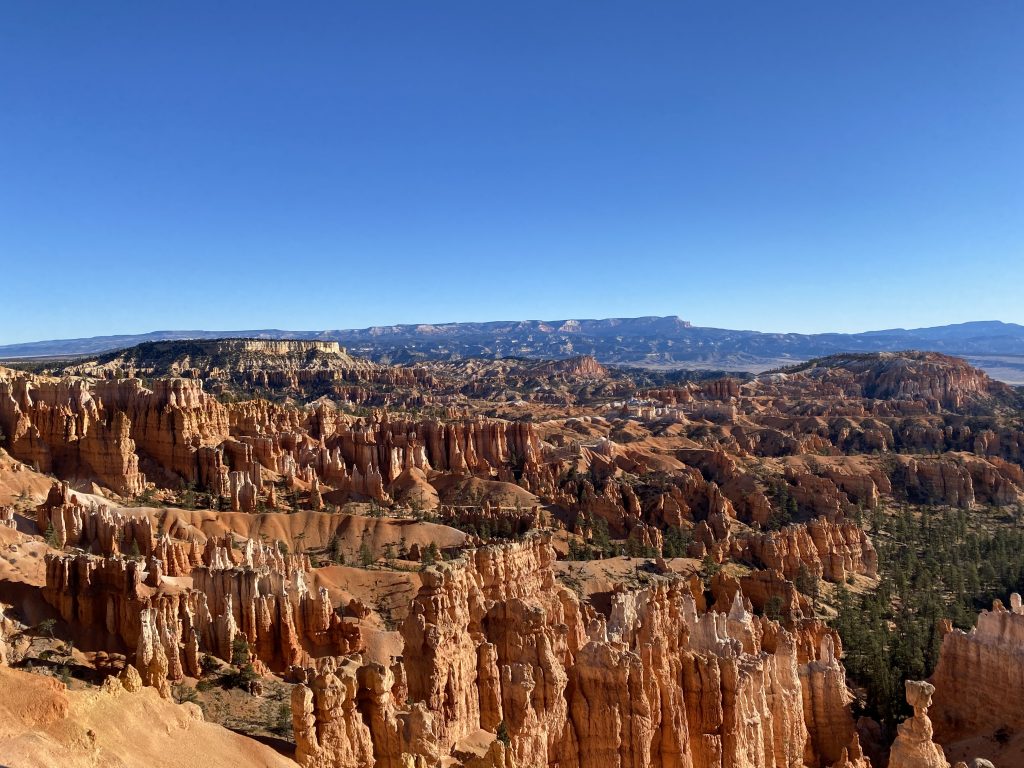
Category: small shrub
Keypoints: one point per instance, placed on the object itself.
(502, 734)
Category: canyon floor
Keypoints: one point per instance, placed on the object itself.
(248, 552)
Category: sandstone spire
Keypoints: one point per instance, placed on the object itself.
(914, 747)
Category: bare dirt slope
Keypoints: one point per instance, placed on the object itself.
(44, 725)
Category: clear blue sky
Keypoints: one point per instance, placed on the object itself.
(783, 166)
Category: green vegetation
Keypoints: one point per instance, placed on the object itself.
(809, 584)
(282, 724)
(601, 545)
(430, 555)
(185, 693)
(336, 550)
(773, 608)
(366, 558)
(708, 569)
(51, 537)
(934, 563)
(677, 542)
(502, 734)
(636, 548)
(244, 673)
(784, 508)
(209, 665)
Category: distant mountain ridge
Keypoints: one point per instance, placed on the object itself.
(663, 342)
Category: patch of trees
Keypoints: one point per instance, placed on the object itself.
(934, 563)
(784, 508)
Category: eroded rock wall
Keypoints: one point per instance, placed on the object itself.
(494, 643)
(979, 680)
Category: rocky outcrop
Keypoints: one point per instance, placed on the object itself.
(284, 621)
(582, 367)
(329, 730)
(826, 702)
(928, 379)
(979, 680)
(478, 446)
(78, 428)
(103, 429)
(948, 381)
(914, 747)
(67, 522)
(151, 652)
(62, 426)
(936, 481)
(169, 422)
(995, 481)
(123, 603)
(257, 366)
(493, 642)
(828, 550)
(3, 640)
(767, 591)
(448, 643)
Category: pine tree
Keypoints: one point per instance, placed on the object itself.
(366, 557)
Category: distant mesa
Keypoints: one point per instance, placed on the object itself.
(648, 342)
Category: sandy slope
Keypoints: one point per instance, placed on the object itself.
(307, 530)
(43, 725)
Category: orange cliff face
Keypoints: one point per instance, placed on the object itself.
(979, 680)
(97, 430)
(59, 426)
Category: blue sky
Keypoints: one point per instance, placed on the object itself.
(783, 166)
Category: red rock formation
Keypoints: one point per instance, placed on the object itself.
(937, 481)
(914, 747)
(60, 426)
(932, 380)
(329, 730)
(949, 381)
(582, 367)
(170, 422)
(494, 639)
(827, 709)
(92, 527)
(826, 549)
(114, 603)
(979, 680)
(763, 589)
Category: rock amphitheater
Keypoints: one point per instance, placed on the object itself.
(240, 553)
